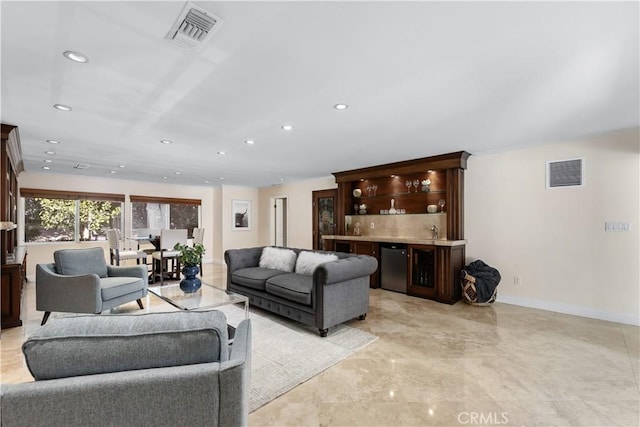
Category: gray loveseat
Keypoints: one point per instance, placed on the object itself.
(335, 292)
(160, 369)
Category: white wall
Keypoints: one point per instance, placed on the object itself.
(554, 240)
(299, 210)
(232, 239)
(43, 252)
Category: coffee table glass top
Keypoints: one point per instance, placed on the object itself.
(206, 297)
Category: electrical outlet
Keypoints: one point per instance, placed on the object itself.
(516, 280)
(373, 225)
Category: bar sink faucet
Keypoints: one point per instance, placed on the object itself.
(434, 232)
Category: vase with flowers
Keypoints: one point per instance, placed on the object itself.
(190, 258)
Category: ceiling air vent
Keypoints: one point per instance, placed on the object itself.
(81, 166)
(193, 27)
(565, 173)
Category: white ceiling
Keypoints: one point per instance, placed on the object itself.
(420, 79)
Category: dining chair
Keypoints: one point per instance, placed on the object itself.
(117, 254)
(161, 258)
(198, 238)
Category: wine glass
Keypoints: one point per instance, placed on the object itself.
(374, 187)
(368, 190)
(441, 204)
(408, 184)
(416, 182)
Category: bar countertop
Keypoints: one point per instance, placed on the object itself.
(397, 239)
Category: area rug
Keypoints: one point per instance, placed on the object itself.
(285, 353)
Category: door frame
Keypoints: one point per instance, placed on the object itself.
(272, 219)
(320, 194)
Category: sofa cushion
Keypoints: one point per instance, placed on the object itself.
(292, 286)
(278, 259)
(114, 287)
(87, 345)
(74, 262)
(308, 261)
(254, 277)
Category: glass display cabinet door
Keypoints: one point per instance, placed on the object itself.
(324, 216)
(422, 271)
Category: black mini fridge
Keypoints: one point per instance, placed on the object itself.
(393, 267)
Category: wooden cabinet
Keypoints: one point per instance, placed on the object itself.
(368, 248)
(377, 185)
(422, 277)
(360, 248)
(13, 258)
(376, 193)
(13, 278)
(434, 272)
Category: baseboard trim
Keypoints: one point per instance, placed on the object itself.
(625, 318)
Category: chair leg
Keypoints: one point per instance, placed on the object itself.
(45, 317)
(139, 301)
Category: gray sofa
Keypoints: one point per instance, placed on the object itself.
(160, 369)
(336, 292)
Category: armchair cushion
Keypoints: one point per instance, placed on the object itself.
(114, 287)
(86, 345)
(72, 262)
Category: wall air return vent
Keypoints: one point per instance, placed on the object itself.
(193, 27)
(565, 173)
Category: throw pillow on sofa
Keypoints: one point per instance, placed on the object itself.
(308, 261)
(278, 259)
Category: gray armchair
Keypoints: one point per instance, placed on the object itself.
(153, 369)
(80, 281)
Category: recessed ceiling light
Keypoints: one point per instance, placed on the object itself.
(249, 141)
(341, 106)
(222, 153)
(281, 179)
(177, 172)
(46, 168)
(122, 166)
(48, 161)
(166, 141)
(206, 182)
(112, 171)
(287, 127)
(51, 153)
(164, 177)
(222, 177)
(62, 107)
(53, 141)
(75, 56)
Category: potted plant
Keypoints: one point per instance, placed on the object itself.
(190, 258)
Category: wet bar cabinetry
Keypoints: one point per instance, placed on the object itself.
(433, 265)
(377, 185)
(434, 272)
(13, 257)
(360, 248)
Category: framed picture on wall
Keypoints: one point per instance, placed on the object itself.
(241, 212)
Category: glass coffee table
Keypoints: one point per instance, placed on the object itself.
(206, 298)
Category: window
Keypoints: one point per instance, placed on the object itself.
(158, 213)
(65, 216)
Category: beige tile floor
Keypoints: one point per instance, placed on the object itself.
(436, 364)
